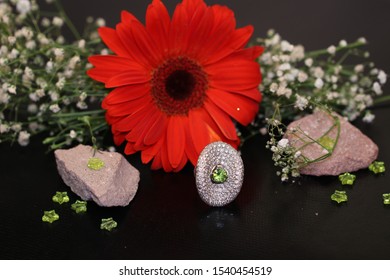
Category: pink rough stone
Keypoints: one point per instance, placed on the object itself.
(114, 185)
(353, 151)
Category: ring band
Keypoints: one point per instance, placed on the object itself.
(219, 174)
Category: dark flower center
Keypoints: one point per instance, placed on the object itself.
(179, 85)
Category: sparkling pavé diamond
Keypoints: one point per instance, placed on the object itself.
(219, 174)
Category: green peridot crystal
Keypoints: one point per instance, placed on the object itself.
(60, 197)
(327, 142)
(339, 196)
(347, 178)
(108, 224)
(377, 167)
(79, 206)
(386, 198)
(219, 175)
(50, 216)
(95, 164)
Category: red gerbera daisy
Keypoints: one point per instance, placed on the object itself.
(178, 82)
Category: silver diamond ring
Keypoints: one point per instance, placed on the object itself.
(219, 174)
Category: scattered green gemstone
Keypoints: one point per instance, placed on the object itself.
(386, 198)
(50, 216)
(347, 178)
(326, 142)
(61, 197)
(95, 164)
(339, 196)
(219, 175)
(79, 206)
(377, 167)
(108, 224)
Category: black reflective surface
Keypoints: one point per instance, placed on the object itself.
(167, 219)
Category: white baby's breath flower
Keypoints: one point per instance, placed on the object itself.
(301, 102)
(331, 50)
(104, 52)
(45, 22)
(334, 79)
(343, 43)
(297, 154)
(23, 6)
(58, 53)
(54, 108)
(57, 21)
(353, 78)
(4, 128)
(13, 54)
(32, 108)
(54, 96)
(81, 44)
(43, 40)
(100, 22)
(82, 105)
(49, 66)
(60, 40)
(362, 40)
(12, 89)
(302, 77)
(31, 45)
(298, 53)
(72, 134)
(382, 77)
(263, 131)
(368, 117)
(286, 46)
(318, 72)
(11, 40)
(61, 83)
(23, 138)
(16, 127)
(377, 88)
(283, 143)
(359, 68)
(73, 62)
(319, 83)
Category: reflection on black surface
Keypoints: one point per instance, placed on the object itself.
(220, 218)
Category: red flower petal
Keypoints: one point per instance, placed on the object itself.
(222, 119)
(157, 25)
(109, 66)
(112, 41)
(248, 53)
(164, 158)
(156, 131)
(176, 140)
(190, 149)
(128, 78)
(129, 149)
(201, 132)
(157, 164)
(129, 108)
(125, 94)
(151, 151)
(237, 40)
(178, 31)
(239, 107)
(232, 75)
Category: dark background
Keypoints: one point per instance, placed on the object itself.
(167, 219)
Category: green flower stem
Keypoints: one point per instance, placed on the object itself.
(314, 54)
(78, 114)
(382, 99)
